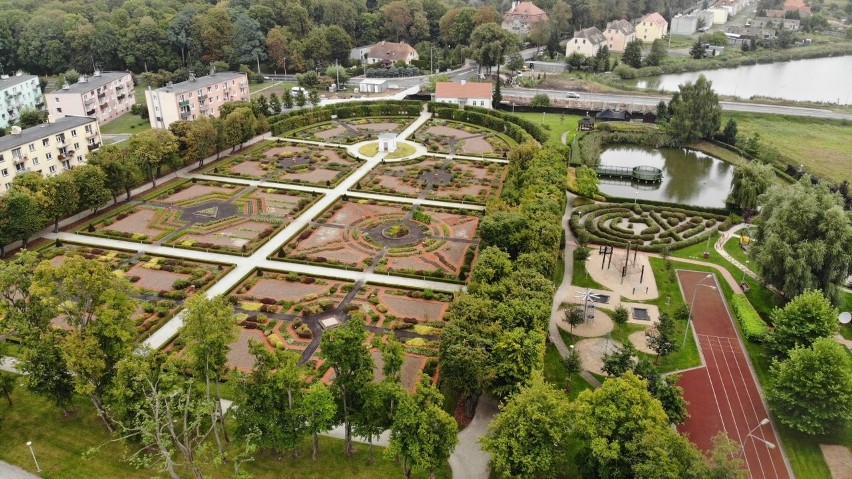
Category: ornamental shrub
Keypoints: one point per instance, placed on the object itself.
(753, 326)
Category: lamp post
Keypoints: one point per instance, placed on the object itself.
(30, 445)
(692, 304)
(750, 434)
(744, 272)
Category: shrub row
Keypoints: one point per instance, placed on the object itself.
(753, 326)
(300, 118)
(536, 131)
(489, 121)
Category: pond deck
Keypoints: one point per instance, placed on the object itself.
(643, 173)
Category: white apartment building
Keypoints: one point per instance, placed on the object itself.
(196, 97)
(104, 95)
(17, 93)
(49, 148)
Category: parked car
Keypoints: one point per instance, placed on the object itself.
(571, 94)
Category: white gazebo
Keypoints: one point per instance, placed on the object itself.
(387, 142)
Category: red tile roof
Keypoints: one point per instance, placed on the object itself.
(526, 9)
(459, 90)
(656, 18)
(390, 51)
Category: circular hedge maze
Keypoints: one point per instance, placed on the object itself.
(651, 228)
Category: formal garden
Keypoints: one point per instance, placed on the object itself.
(434, 178)
(288, 162)
(456, 138)
(391, 238)
(352, 130)
(205, 215)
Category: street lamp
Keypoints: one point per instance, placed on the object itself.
(30, 445)
(750, 434)
(692, 304)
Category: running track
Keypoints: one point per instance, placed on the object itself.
(723, 394)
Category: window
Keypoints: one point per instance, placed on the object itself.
(1, 158)
(35, 160)
(66, 164)
(56, 99)
(47, 157)
(59, 110)
(46, 142)
(8, 185)
(73, 132)
(76, 146)
(79, 158)
(88, 128)
(5, 172)
(53, 168)
(32, 147)
(20, 167)
(16, 153)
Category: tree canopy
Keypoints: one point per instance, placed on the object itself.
(697, 115)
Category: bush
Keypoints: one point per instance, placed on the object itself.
(540, 100)
(181, 283)
(753, 326)
(625, 72)
(620, 315)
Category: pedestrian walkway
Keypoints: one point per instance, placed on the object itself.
(10, 365)
(10, 471)
(468, 460)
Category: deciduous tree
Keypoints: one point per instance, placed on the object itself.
(318, 411)
(633, 53)
(152, 149)
(587, 182)
(806, 318)
(92, 187)
(122, 174)
(750, 180)
(698, 113)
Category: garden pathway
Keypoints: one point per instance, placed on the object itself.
(9, 471)
(468, 460)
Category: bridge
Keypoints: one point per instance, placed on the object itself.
(647, 174)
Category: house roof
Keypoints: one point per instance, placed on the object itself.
(623, 26)
(15, 80)
(92, 82)
(592, 34)
(609, 114)
(43, 130)
(655, 18)
(526, 9)
(202, 82)
(390, 51)
(462, 90)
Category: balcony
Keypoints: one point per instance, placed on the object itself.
(18, 160)
(184, 103)
(94, 146)
(91, 134)
(185, 115)
(21, 171)
(121, 96)
(202, 97)
(101, 94)
(90, 112)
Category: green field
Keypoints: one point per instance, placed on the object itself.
(126, 123)
(557, 123)
(60, 442)
(823, 147)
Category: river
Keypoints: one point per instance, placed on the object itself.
(689, 177)
(816, 79)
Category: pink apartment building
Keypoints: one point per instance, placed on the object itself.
(103, 95)
(196, 97)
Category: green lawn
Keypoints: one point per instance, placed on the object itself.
(126, 123)
(822, 146)
(580, 277)
(557, 374)
(670, 298)
(557, 123)
(270, 87)
(60, 442)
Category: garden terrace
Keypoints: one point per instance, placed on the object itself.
(205, 215)
(351, 131)
(285, 123)
(288, 162)
(436, 179)
(455, 138)
(159, 285)
(389, 238)
(650, 228)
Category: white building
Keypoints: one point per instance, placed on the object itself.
(373, 85)
(586, 42)
(720, 16)
(48, 148)
(195, 97)
(464, 94)
(104, 95)
(18, 93)
(684, 25)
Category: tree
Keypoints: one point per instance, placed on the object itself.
(201, 139)
(46, 371)
(343, 347)
(697, 50)
(662, 112)
(620, 315)
(240, 126)
(248, 39)
(287, 99)
(7, 386)
(466, 364)
(122, 174)
(587, 182)
(729, 135)
(515, 62)
(318, 411)
(657, 54)
(601, 63)
(698, 113)
(497, 97)
(152, 149)
(804, 239)
(271, 398)
(300, 98)
(22, 312)
(23, 213)
(625, 433)
(561, 15)
(516, 354)
(393, 356)
(574, 316)
(726, 460)
(806, 318)
(811, 391)
(423, 435)
(274, 103)
(210, 326)
(376, 413)
(540, 100)
(633, 53)
(750, 180)
(92, 188)
(31, 117)
(539, 34)
(314, 97)
(529, 436)
(661, 338)
(490, 44)
(58, 197)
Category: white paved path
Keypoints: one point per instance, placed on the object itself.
(468, 460)
(9, 471)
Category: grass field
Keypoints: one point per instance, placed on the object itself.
(823, 147)
(60, 442)
(126, 123)
(558, 124)
(267, 88)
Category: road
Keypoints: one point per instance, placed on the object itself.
(651, 100)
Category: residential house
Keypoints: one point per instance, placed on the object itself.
(464, 93)
(49, 148)
(720, 16)
(782, 23)
(521, 17)
(104, 95)
(587, 42)
(684, 24)
(388, 53)
(17, 93)
(797, 5)
(651, 27)
(194, 98)
(618, 34)
(706, 18)
(732, 6)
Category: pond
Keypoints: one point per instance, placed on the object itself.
(689, 177)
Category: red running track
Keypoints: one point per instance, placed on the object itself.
(723, 394)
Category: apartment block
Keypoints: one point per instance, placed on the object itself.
(18, 93)
(103, 95)
(48, 148)
(194, 98)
